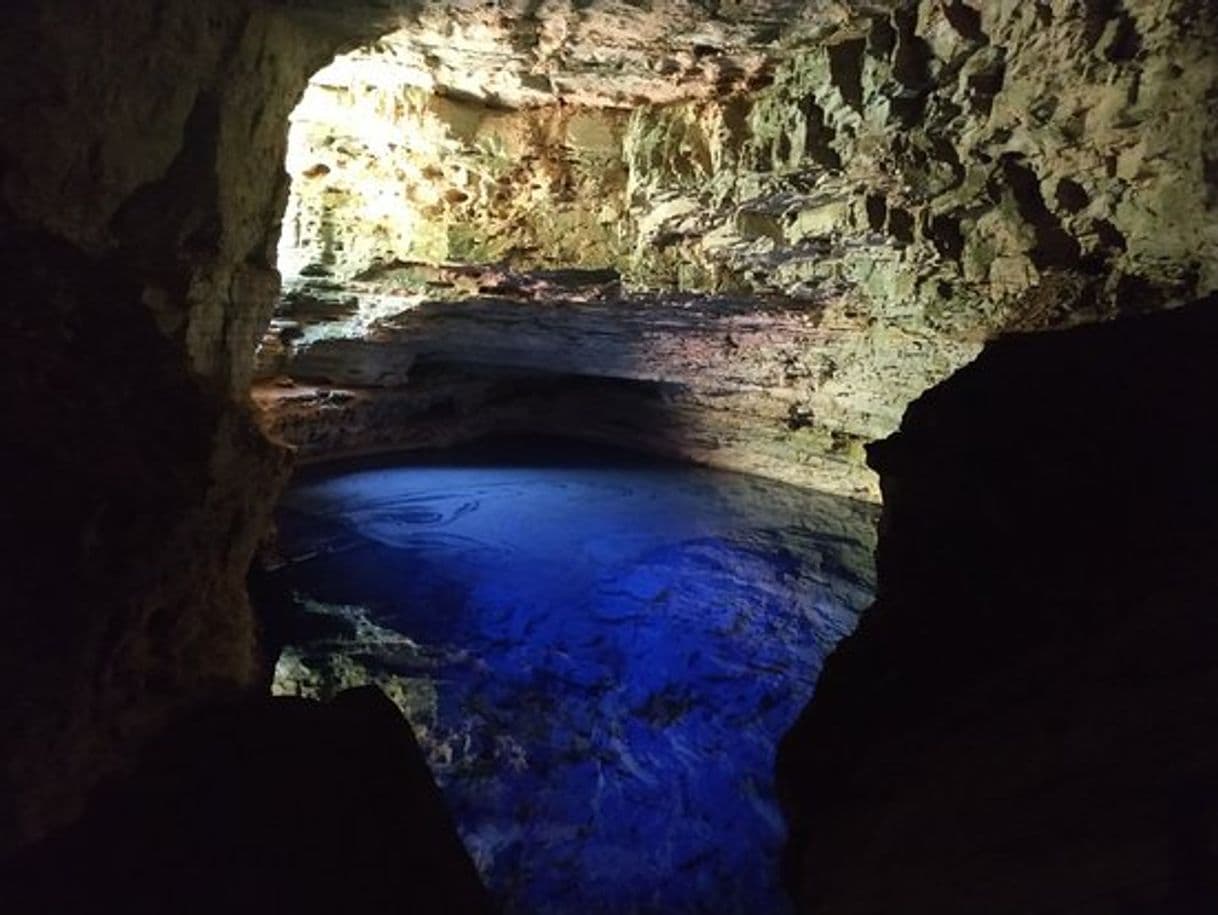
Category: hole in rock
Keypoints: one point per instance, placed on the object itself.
(598, 651)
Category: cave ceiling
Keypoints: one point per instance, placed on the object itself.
(526, 53)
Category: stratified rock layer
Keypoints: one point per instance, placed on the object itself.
(925, 176)
(1024, 721)
(721, 380)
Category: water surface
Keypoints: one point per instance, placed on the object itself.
(598, 652)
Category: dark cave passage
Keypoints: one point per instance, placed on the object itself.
(597, 651)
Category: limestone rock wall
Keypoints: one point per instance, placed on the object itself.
(925, 176)
(939, 173)
(141, 188)
(383, 172)
(954, 172)
(711, 379)
(479, 132)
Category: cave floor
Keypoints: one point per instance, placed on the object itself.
(598, 653)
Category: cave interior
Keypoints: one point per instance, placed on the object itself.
(849, 363)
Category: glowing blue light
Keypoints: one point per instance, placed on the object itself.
(615, 651)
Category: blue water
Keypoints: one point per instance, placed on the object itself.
(599, 654)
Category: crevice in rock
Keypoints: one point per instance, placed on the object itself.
(877, 212)
(901, 225)
(910, 68)
(945, 232)
(1071, 196)
(1055, 247)
(945, 151)
(1209, 169)
(1110, 237)
(984, 85)
(881, 38)
(1096, 16)
(965, 20)
(819, 135)
(1126, 43)
(846, 70)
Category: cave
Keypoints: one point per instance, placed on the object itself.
(860, 354)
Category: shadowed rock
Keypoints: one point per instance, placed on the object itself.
(1024, 721)
(277, 805)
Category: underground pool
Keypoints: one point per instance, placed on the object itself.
(598, 652)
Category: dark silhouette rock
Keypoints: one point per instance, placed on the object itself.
(282, 805)
(1026, 720)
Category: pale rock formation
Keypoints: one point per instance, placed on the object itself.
(918, 178)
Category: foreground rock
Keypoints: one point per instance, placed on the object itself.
(277, 805)
(1025, 721)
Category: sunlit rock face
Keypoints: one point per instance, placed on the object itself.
(910, 180)
(385, 171)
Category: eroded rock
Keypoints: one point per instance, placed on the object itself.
(928, 176)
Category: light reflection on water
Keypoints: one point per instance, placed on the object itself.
(599, 654)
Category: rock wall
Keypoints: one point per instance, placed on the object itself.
(383, 171)
(141, 187)
(923, 176)
(1025, 719)
(258, 806)
(950, 173)
(478, 132)
(140, 169)
(712, 379)
(947, 174)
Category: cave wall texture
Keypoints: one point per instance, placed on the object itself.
(927, 175)
(385, 172)
(913, 178)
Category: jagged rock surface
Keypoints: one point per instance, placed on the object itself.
(926, 176)
(141, 186)
(1027, 165)
(262, 805)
